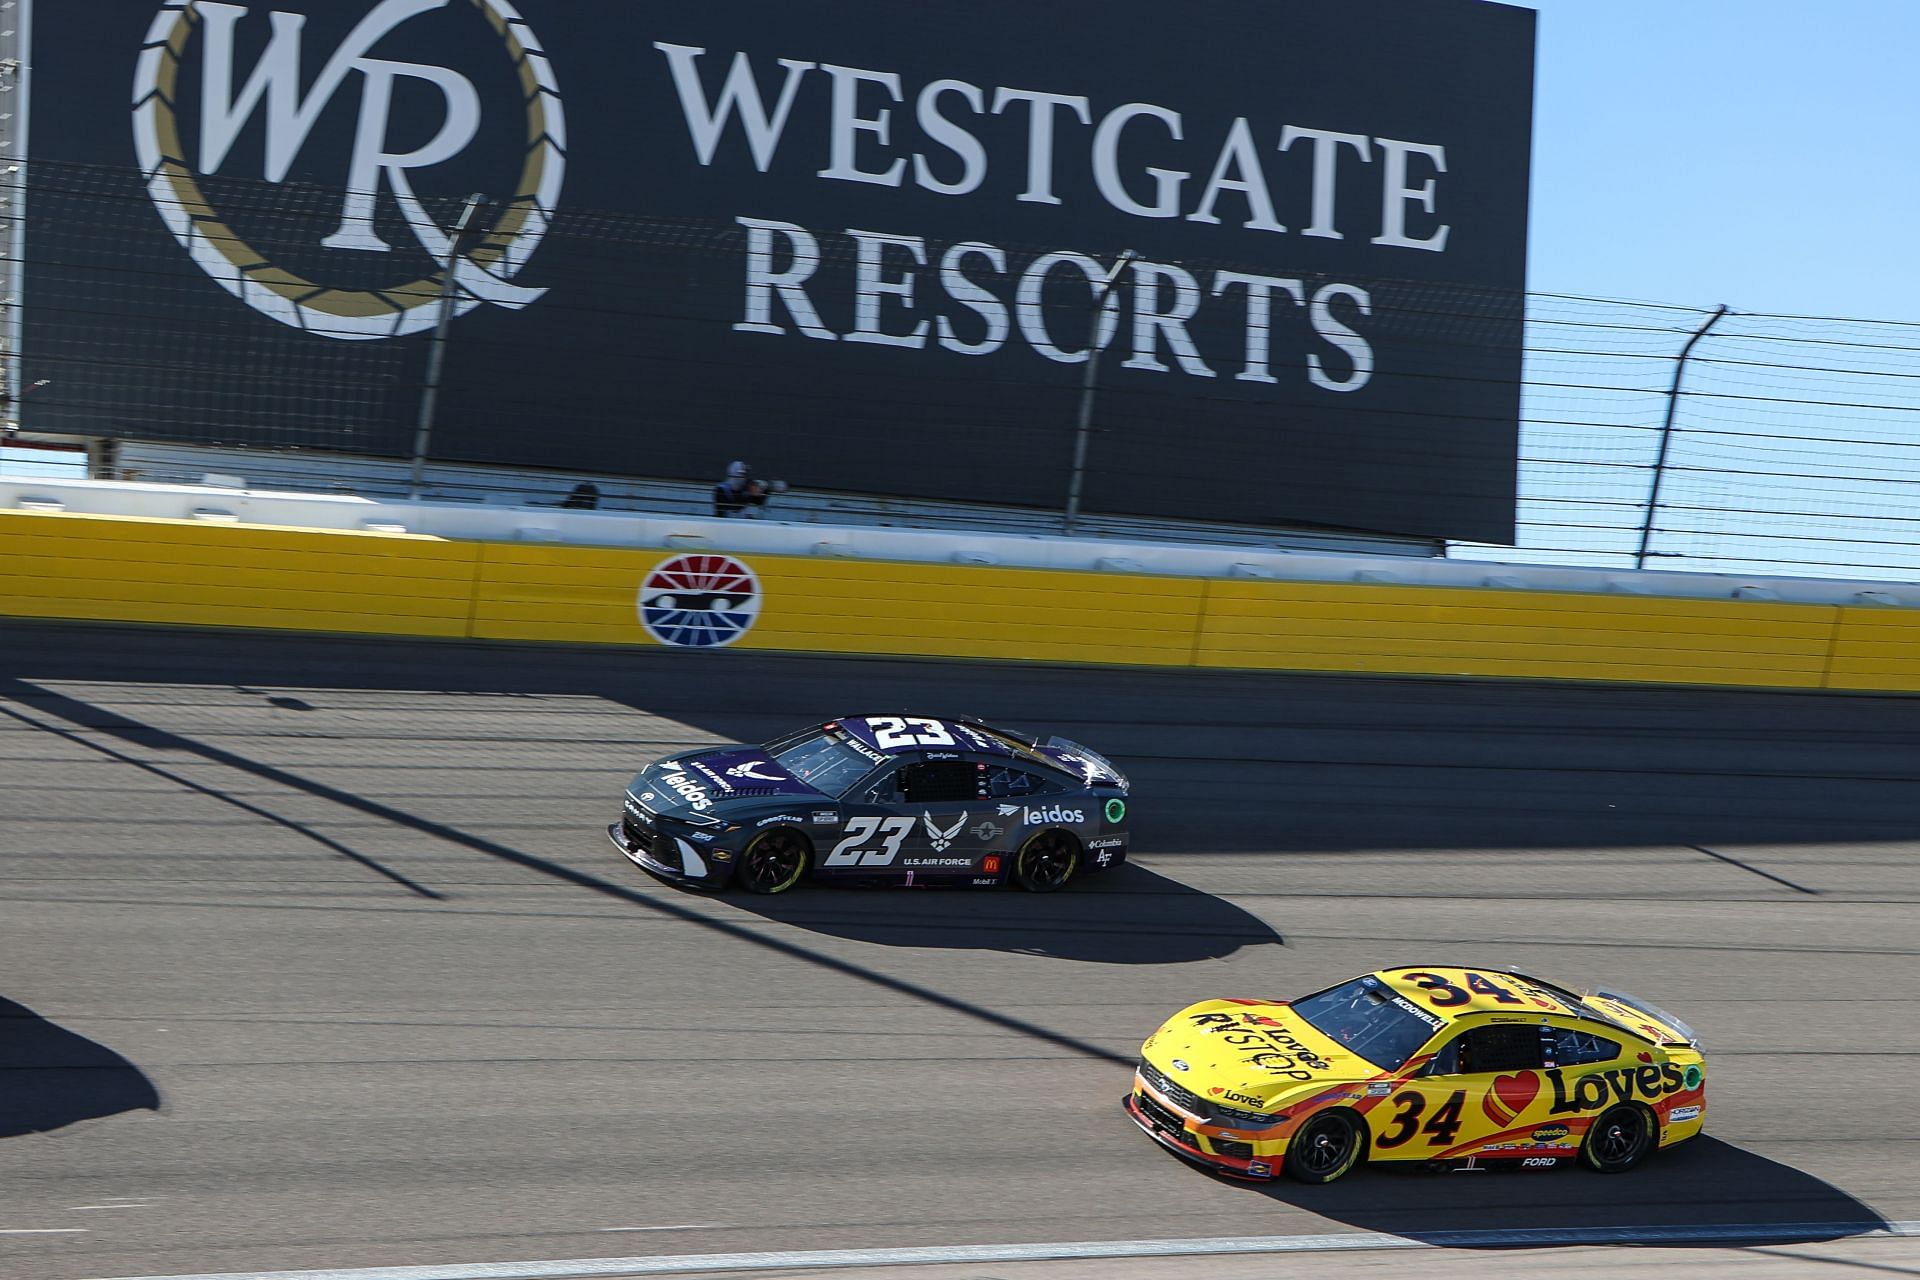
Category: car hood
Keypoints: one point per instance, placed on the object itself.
(1249, 1054)
(698, 781)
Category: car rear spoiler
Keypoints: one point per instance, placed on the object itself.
(1058, 743)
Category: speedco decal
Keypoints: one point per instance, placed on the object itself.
(699, 601)
(340, 287)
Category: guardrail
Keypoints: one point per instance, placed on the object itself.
(215, 570)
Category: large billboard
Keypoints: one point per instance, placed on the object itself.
(864, 245)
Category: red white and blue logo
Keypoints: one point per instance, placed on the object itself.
(699, 601)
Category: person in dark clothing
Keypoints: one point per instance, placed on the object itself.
(584, 497)
(742, 495)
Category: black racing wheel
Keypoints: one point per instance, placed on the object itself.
(774, 861)
(1046, 861)
(1620, 1139)
(1326, 1147)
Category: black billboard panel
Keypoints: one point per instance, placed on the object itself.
(860, 244)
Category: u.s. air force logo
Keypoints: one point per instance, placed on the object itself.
(358, 253)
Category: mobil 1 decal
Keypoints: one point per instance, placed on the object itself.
(872, 249)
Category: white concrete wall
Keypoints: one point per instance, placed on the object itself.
(488, 522)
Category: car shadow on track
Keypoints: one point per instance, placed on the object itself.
(51, 1077)
(1128, 915)
(1700, 1185)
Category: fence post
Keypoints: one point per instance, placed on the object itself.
(1666, 435)
(1084, 423)
(430, 391)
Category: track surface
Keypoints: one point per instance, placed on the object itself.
(315, 955)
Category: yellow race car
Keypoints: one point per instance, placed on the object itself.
(1442, 1065)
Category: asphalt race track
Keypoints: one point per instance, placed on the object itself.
(313, 954)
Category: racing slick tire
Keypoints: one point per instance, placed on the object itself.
(1620, 1139)
(774, 861)
(1046, 861)
(1326, 1147)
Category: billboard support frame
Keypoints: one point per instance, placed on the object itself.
(462, 232)
(1089, 383)
(16, 65)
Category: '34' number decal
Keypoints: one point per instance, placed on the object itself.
(1442, 1125)
(891, 833)
(1442, 994)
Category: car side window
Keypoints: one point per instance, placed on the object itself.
(938, 782)
(1501, 1047)
(1571, 1047)
(1004, 780)
(884, 789)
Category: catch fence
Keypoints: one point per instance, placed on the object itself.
(1794, 449)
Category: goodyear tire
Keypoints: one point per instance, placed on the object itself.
(1326, 1147)
(774, 861)
(1621, 1138)
(1046, 861)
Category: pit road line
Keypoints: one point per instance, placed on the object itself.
(685, 1264)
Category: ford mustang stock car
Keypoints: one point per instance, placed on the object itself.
(912, 800)
(1451, 1066)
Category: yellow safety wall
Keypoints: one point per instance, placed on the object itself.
(200, 574)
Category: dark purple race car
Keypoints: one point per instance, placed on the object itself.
(884, 799)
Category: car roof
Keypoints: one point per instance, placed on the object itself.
(966, 735)
(1524, 994)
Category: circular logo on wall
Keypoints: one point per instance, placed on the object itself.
(699, 601)
(229, 98)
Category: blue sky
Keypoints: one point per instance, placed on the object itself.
(1759, 153)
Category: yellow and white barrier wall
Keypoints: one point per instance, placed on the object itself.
(188, 572)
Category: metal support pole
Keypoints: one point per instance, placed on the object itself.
(1666, 435)
(437, 355)
(1084, 424)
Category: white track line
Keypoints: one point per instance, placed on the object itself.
(43, 1231)
(684, 1264)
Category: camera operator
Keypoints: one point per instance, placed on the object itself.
(742, 495)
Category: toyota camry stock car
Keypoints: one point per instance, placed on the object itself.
(912, 800)
(1452, 1066)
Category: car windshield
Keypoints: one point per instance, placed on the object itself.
(824, 762)
(1364, 1017)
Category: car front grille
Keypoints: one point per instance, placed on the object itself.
(658, 846)
(1229, 1147)
(1185, 1097)
(1212, 1112)
(1163, 1117)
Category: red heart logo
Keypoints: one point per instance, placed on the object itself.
(1516, 1092)
(1645, 1057)
(1216, 1092)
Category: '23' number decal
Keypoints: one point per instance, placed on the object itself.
(908, 731)
(890, 833)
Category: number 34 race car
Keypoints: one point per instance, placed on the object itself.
(899, 799)
(1441, 1065)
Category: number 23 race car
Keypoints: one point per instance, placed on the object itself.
(1443, 1065)
(910, 800)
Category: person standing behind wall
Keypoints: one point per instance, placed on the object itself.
(742, 495)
